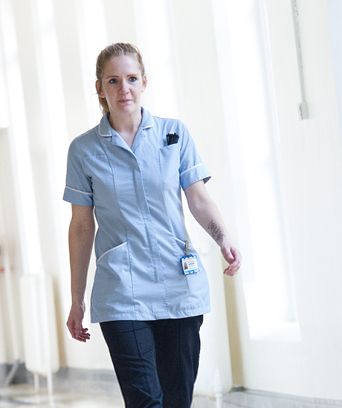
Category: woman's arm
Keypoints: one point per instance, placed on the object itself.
(208, 216)
(81, 237)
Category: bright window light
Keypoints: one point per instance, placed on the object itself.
(51, 90)
(54, 119)
(153, 22)
(19, 145)
(268, 279)
(4, 120)
(92, 31)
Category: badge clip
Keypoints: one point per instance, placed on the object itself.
(189, 261)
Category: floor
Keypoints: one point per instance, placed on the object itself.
(24, 396)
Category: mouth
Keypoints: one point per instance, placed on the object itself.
(125, 100)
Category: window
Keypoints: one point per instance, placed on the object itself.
(246, 71)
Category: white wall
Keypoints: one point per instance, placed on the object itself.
(312, 166)
(335, 15)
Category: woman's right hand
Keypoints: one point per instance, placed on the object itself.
(74, 323)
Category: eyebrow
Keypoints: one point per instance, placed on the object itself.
(117, 76)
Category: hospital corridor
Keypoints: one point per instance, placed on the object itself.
(259, 85)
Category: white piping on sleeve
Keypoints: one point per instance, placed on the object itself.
(78, 191)
(197, 165)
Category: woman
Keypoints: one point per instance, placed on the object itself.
(150, 289)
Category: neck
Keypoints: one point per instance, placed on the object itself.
(125, 123)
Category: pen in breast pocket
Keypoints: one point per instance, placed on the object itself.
(172, 138)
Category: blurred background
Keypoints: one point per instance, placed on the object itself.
(258, 83)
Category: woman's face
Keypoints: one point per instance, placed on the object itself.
(122, 84)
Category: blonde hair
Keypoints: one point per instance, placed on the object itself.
(115, 50)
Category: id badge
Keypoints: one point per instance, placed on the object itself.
(189, 264)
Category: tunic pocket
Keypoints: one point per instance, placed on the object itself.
(112, 290)
(169, 160)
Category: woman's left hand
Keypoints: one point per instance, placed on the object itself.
(233, 257)
(208, 216)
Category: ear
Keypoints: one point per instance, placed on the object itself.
(98, 89)
(144, 83)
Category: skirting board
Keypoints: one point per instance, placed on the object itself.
(243, 398)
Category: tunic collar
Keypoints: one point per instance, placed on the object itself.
(105, 130)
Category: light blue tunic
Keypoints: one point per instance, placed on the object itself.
(138, 206)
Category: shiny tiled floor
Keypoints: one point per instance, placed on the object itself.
(24, 396)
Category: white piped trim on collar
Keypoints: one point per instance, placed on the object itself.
(104, 135)
(104, 124)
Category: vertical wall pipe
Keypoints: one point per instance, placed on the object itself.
(303, 106)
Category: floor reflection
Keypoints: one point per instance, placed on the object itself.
(24, 396)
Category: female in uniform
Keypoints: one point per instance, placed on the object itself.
(150, 289)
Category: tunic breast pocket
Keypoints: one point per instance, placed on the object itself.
(169, 161)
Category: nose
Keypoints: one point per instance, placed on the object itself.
(124, 87)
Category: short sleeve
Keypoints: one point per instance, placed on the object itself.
(191, 168)
(78, 189)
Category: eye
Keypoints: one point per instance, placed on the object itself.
(113, 81)
(132, 79)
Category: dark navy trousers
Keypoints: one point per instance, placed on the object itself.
(156, 362)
